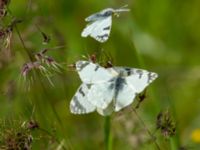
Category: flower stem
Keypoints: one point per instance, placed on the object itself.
(107, 133)
(147, 130)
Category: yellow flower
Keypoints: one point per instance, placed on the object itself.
(195, 136)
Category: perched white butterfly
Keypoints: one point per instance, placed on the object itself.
(100, 24)
(107, 89)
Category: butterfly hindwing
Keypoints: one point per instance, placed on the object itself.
(89, 29)
(107, 111)
(102, 31)
(124, 96)
(101, 95)
(99, 29)
(92, 73)
(79, 103)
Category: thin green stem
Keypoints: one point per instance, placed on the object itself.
(20, 37)
(23, 44)
(57, 141)
(142, 64)
(148, 131)
(107, 133)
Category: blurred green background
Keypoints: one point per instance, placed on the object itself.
(160, 36)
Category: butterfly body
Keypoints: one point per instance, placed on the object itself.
(108, 89)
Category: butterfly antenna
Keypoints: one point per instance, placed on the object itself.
(123, 8)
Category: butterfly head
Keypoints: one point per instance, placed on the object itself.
(107, 12)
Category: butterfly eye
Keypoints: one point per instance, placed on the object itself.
(107, 13)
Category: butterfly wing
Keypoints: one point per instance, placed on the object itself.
(107, 111)
(101, 95)
(79, 103)
(92, 73)
(140, 79)
(100, 15)
(94, 17)
(99, 29)
(135, 81)
(124, 96)
(89, 29)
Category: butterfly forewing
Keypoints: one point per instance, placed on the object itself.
(139, 79)
(79, 103)
(92, 73)
(100, 15)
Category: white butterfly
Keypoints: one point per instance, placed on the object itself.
(100, 24)
(107, 89)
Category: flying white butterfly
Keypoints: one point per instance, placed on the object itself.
(100, 24)
(107, 89)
